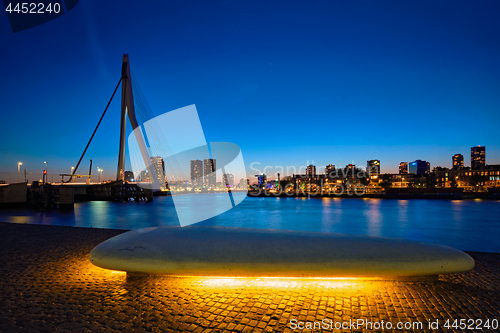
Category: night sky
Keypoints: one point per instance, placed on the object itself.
(290, 82)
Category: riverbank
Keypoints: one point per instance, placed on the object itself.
(48, 285)
(406, 195)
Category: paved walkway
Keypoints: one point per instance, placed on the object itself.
(48, 285)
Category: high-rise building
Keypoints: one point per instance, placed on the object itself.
(329, 168)
(311, 170)
(373, 167)
(458, 161)
(350, 170)
(209, 172)
(228, 180)
(197, 172)
(262, 178)
(403, 167)
(419, 167)
(159, 168)
(244, 184)
(477, 157)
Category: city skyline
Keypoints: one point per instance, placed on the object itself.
(199, 168)
(294, 83)
(375, 166)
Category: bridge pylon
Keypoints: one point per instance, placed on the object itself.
(127, 108)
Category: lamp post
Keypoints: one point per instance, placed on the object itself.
(73, 179)
(46, 173)
(19, 171)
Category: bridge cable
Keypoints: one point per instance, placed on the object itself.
(156, 143)
(95, 130)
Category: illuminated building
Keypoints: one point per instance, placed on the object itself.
(311, 171)
(197, 172)
(458, 161)
(419, 167)
(403, 167)
(227, 180)
(209, 172)
(350, 170)
(159, 168)
(470, 179)
(477, 157)
(329, 168)
(262, 178)
(128, 176)
(401, 180)
(373, 167)
(244, 184)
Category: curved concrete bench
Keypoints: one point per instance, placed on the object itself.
(224, 251)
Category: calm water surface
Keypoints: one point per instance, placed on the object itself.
(470, 225)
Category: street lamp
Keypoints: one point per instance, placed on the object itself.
(100, 173)
(19, 170)
(72, 168)
(46, 173)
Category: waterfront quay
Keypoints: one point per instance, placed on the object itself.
(49, 285)
(47, 196)
(393, 193)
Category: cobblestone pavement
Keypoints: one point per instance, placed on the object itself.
(47, 284)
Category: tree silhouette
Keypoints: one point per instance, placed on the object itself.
(430, 181)
(386, 182)
(453, 183)
(411, 182)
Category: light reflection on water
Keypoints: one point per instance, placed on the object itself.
(468, 225)
(373, 217)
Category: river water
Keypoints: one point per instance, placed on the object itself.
(469, 225)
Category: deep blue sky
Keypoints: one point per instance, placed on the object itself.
(290, 82)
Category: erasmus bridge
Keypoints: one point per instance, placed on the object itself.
(175, 137)
(134, 107)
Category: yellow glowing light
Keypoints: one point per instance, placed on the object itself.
(285, 282)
